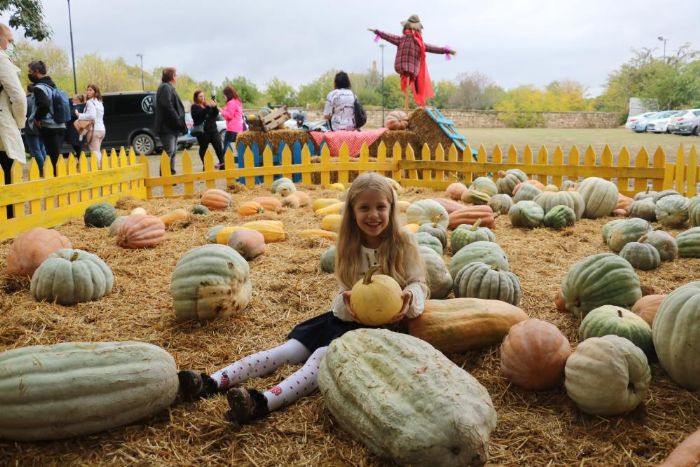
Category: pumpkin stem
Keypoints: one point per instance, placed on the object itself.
(436, 219)
(74, 256)
(501, 173)
(642, 239)
(368, 275)
(475, 227)
(619, 313)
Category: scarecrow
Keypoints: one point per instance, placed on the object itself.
(410, 61)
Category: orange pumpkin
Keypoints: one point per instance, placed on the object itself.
(686, 454)
(31, 248)
(623, 203)
(249, 243)
(533, 355)
(647, 306)
(269, 203)
(535, 183)
(456, 190)
(141, 232)
(470, 214)
(449, 205)
(250, 208)
(216, 199)
(396, 120)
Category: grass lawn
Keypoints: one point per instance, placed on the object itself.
(566, 138)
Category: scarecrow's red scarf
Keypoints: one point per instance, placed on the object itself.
(422, 87)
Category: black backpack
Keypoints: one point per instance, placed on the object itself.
(360, 115)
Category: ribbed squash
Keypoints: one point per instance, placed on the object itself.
(31, 248)
(176, 215)
(472, 196)
(250, 208)
(572, 199)
(672, 211)
(78, 388)
(500, 203)
(559, 217)
(610, 319)
(220, 234)
(525, 192)
(641, 255)
(99, 215)
(484, 185)
(689, 243)
(71, 276)
(508, 179)
(608, 229)
(331, 222)
(644, 209)
(396, 120)
(335, 208)
(436, 230)
(456, 190)
(459, 324)
(425, 239)
(269, 203)
(486, 252)
(676, 335)
(602, 279)
(319, 233)
(647, 306)
(629, 230)
(686, 454)
(249, 243)
(607, 375)
(216, 199)
(533, 355)
(273, 231)
(328, 260)
(324, 202)
(426, 210)
(526, 214)
(465, 234)
(449, 205)
(406, 401)
(141, 232)
(479, 280)
(470, 214)
(694, 211)
(436, 273)
(210, 281)
(599, 195)
(376, 298)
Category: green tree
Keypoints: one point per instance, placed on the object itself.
(280, 93)
(55, 58)
(249, 93)
(28, 15)
(475, 91)
(313, 94)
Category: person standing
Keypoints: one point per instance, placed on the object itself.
(233, 114)
(170, 115)
(204, 115)
(94, 112)
(13, 111)
(77, 105)
(31, 134)
(51, 132)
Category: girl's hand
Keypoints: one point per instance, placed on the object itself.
(407, 297)
(346, 300)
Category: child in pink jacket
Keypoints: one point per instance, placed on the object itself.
(233, 114)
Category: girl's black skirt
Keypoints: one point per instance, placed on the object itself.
(320, 330)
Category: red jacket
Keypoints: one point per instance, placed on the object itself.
(407, 61)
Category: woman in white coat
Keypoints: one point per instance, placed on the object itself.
(94, 112)
(13, 111)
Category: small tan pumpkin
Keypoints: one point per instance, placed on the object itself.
(456, 190)
(31, 248)
(141, 232)
(250, 208)
(396, 120)
(216, 199)
(249, 243)
(647, 306)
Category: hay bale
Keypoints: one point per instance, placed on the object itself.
(390, 137)
(428, 131)
(273, 137)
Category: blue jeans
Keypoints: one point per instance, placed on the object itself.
(229, 137)
(169, 142)
(37, 150)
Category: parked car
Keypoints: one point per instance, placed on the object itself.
(659, 124)
(640, 125)
(632, 120)
(687, 123)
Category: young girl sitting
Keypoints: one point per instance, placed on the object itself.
(370, 235)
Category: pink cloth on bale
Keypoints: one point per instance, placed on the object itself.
(354, 139)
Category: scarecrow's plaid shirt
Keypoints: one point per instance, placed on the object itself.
(407, 61)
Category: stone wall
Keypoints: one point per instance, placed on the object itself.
(490, 119)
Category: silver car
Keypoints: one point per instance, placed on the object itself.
(686, 123)
(659, 123)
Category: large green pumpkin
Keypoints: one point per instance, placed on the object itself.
(641, 255)
(328, 260)
(610, 319)
(664, 243)
(629, 230)
(501, 203)
(436, 230)
(485, 185)
(508, 179)
(648, 194)
(608, 229)
(526, 214)
(602, 279)
(694, 211)
(479, 280)
(486, 252)
(436, 274)
(672, 211)
(465, 234)
(559, 217)
(526, 192)
(644, 209)
(77, 388)
(607, 375)
(676, 335)
(71, 276)
(689, 243)
(572, 199)
(425, 239)
(599, 195)
(209, 282)
(405, 401)
(99, 215)
(663, 194)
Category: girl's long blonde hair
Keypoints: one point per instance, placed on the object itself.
(398, 252)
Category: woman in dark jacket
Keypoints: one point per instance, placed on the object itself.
(204, 113)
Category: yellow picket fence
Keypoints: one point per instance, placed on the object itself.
(77, 183)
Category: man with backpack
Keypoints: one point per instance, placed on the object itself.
(52, 110)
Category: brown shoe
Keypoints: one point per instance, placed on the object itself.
(195, 385)
(246, 405)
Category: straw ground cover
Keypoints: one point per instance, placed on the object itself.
(533, 428)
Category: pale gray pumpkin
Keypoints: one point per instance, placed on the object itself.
(209, 282)
(642, 195)
(526, 214)
(426, 211)
(689, 243)
(508, 179)
(328, 260)
(599, 195)
(526, 192)
(430, 412)
(629, 230)
(501, 203)
(672, 210)
(436, 230)
(485, 252)
(559, 217)
(479, 280)
(644, 209)
(572, 199)
(465, 234)
(664, 243)
(641, 255)
(663, 194)
(607, 375)
(77, 388)
(436, 273)
(70, 276)
(425, 239)
(694, 211)
(485, 185)
(608, 229)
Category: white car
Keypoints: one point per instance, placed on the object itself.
(632, 120)
(686, 123)
(659, 124)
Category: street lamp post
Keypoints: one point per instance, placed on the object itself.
(664, 40)
(143, 87)
(72, 52)
(383, 95)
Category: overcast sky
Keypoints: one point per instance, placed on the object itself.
(513, 42)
